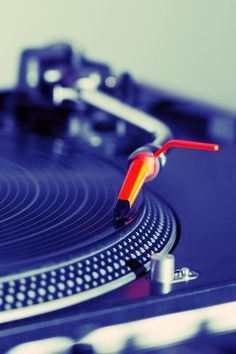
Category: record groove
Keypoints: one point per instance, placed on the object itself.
(58, 244)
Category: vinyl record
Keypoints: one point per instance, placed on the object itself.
(58, 242)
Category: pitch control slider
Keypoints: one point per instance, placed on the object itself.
(144, 166)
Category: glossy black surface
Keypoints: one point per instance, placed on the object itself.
(201, 188)
(59, 245)
(53, 203)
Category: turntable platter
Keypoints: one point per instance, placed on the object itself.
(58, 242)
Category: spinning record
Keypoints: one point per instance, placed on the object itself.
(58, 241)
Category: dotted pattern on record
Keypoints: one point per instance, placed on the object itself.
(151, 235)
(57, 208)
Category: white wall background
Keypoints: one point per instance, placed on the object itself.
(187, 46)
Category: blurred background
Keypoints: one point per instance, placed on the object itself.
(186, 46)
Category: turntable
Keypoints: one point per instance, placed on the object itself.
(78, 238)
(59, 244)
